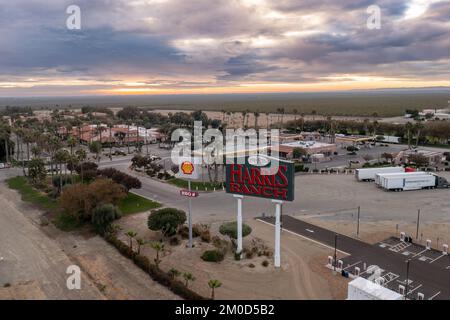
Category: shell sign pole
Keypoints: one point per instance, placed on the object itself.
(188, 170)
(256, 176)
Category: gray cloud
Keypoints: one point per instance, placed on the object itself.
(217, 43)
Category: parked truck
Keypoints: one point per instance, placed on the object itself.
(412, 181)
(368, 174)
(380, 177)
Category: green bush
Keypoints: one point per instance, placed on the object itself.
(167, 220)
(265, 263)
(104, 215)
(230, 229)
(212, 256)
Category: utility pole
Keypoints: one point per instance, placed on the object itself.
(407, 278)
(335, 251)
(190, 215)
(418, 219)
(357, 228)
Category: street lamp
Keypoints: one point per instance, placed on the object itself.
(407, 278)
(335, 250)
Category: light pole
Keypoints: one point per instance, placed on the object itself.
(357, 227)
(335, 250)
(407, 278)
(418, 219)
(190, 215)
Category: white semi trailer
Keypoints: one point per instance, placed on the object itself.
(380, 177)
(409, 181)
(368, 174)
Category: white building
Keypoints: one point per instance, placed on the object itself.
(363, 289)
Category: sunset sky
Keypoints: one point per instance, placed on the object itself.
(220, 46)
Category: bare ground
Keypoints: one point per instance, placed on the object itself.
(302, 276)
(36, 258)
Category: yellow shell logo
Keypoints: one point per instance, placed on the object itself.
(187, 167)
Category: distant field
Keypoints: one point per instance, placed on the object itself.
(386, 103)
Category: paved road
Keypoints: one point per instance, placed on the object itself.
(433, 278)
(328, 196)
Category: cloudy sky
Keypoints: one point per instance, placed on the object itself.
(220, 46)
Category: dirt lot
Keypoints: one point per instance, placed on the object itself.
(35, 260)
(302, 275)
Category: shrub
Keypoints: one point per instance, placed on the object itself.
(183, 231)
(103, 215)
(212, 256)
(265, 263)
(230, 229)
(127, 181)
(57, 180)
(167, 220)
(251, 265)
(80, 200)
(174, 241)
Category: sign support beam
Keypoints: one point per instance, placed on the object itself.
(190, 215)
(239, 223)
(277, 254)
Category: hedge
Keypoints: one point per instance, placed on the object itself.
(153, 271)
(230, 229)
(212, 256)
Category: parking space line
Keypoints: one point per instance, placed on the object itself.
(437, 258)
(432, 297)
(352, 265)
(396, 276)
(414, 289)
(419, 253)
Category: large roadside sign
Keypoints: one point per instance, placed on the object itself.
(246, 178)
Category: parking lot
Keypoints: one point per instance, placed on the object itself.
(429, 269)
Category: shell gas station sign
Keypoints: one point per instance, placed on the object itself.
(187, 169)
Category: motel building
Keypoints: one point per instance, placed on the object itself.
(308, 149)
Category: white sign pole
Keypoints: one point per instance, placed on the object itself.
(190, 216)
(277, 254)
(239, 223)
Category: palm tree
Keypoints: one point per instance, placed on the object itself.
(214, 284)
(128, 135)
(174, 273)
(158, 247)
(96, 147)
(28, 137)
(256, 115)
(61, 157)
(188, 277)
(267, 120)
(140, 242)
(131, 235)
(408, 127)
(71, 143)
(81, 157)
(110, 126)
(5, 132)
(418, 128)
(244, 115)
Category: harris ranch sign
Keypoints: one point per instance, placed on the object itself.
(248, 179)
